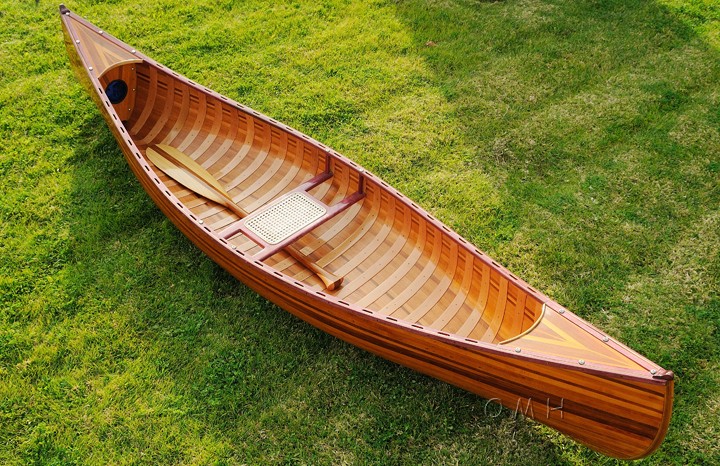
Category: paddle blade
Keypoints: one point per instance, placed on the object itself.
(181, 159)
(187, 178)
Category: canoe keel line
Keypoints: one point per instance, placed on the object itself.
(293, 219)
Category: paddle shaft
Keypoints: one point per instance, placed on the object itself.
(190, 174)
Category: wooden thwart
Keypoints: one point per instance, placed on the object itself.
(193, 176)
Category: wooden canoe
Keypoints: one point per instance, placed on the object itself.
(278, 210)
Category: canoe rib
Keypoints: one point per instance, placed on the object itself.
(416, 293)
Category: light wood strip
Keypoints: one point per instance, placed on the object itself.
(265, 150)
(380, 259)
(147, 106)
(221, 153)
(256, 160)
(437, 292)
(241, 155)
(353, 234)
(366, 248)
(160, 122)
(451, 310)
(180, 122)
(263, 176)
(187, 121)
(197, 126)
(479, 310)
(422, 281)
(494, 323)
(281, 185)
(211, 135)
(398, 273)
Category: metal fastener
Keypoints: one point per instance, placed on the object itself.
(517, 350)
(653, 371)
(200, 222)
(581, 362)
(606, 339)
(90, 68)
(561, 311)
(77, 41)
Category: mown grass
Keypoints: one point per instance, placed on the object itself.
(576, 142)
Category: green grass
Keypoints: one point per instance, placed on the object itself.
(576, 142)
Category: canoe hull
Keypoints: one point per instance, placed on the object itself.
(618, 413)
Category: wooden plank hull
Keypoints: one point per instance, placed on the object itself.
(415, 292)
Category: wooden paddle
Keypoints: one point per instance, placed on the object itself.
(190, 174)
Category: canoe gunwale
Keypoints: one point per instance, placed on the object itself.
(660, 375)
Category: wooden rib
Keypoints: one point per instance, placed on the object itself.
(367, 250)
(186, 119)
(277, 160)
(212, 133)
(217, 123)
(398, 273)
(161, 99)
(477, 315)
(421, 280)
(337, 189)
(147, 107)
(223, 129)
(256, 160)
(241, 155)
(353, 234)
(498, 314)
(162, 120)
(277, 187)
(181, 119)
(230, 139)
(460, 295)
(436, 292)
(197, 126)
(206, 156)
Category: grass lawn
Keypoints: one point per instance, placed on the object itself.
(577, 142)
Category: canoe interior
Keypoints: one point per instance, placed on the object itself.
(394, 261)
